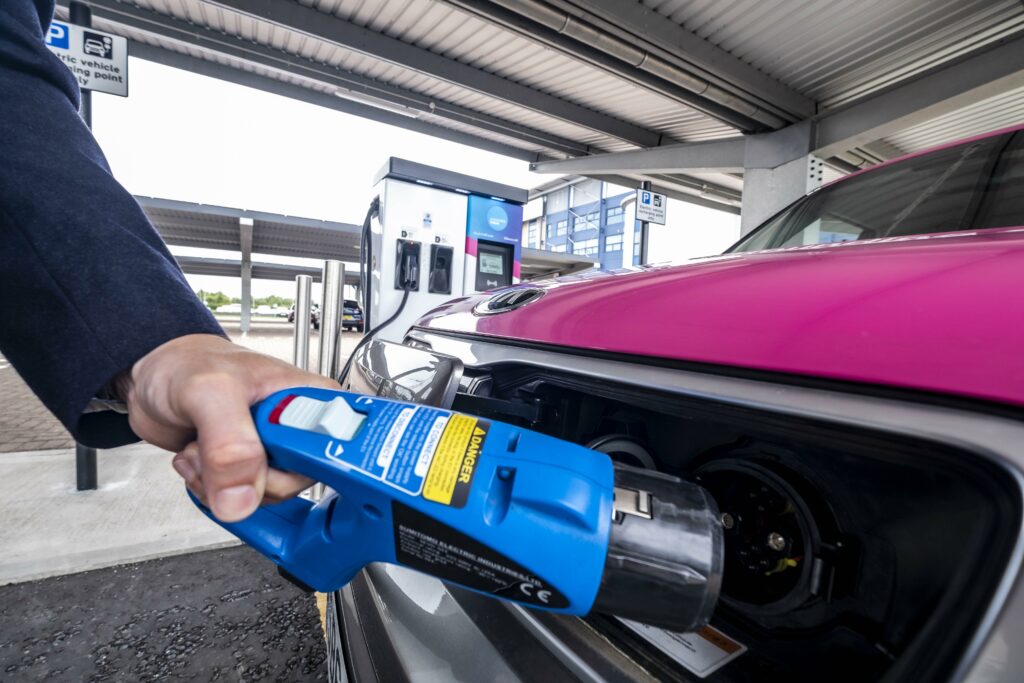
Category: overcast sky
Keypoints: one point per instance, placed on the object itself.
(192, 138)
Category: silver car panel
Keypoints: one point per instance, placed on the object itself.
(991, 656)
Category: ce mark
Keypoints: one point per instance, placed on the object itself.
(529, 590)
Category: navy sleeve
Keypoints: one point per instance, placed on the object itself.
(86, 285)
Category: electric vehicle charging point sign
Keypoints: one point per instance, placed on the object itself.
(98, 60)
(651, 206)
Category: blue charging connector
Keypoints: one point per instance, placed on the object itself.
(502, 510)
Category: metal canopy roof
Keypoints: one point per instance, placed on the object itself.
(198, 265)
(544, 80)
(188, 224)
(540, 263)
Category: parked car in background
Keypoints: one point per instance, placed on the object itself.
(848, 384)
(352, 316)
(314, 316)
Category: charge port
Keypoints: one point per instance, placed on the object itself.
(775, 558)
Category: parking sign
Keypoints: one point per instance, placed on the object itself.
(98, 60)
(57, 36)
(651, 206)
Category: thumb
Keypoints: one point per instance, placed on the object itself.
(233, 464)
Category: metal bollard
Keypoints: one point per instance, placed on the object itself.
(331, 312)
(303, 303)
(86, 478)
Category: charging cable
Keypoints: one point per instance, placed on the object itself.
(369, 335)
(365, 254)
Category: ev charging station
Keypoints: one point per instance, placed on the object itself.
(440, 235)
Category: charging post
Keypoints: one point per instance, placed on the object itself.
(440, 235)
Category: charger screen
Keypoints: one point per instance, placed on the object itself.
(492, 264)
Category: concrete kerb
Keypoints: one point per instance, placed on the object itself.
(140, 512)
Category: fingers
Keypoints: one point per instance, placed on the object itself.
(283, 485)
(280, 485)
(231, 460)
(194, 394)
(188, 466)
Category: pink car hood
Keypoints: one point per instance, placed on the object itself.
(941, 313)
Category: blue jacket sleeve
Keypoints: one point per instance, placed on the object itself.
(86, 285)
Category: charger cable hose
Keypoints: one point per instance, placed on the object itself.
(365, 249)
(368, 336)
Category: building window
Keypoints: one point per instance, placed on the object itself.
(614, 214)
(637, 235)
(532, 235)
(587, 221)
(585, 247)
(613, 243)
(560, 248)
(557, 229)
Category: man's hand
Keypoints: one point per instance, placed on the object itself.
(192, 395)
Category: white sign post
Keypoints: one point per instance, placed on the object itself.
(98, 60)
(650, 206)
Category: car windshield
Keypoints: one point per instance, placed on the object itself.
(971, 186)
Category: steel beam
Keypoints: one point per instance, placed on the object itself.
(666, 187)
(201, 265)
(407, 104)
(989, 72)
(321, 99)
(331, 29)
(634, 20)
(540, 26)
(714, 156)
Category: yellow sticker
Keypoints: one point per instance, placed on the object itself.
(454, 462)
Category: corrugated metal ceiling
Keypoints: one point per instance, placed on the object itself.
(1000, 111)
(835, 51)
(456, 35)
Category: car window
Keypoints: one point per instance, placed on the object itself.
(971, 186)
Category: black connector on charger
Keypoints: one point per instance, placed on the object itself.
(407, 266)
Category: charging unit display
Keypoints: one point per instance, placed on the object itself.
(439, 235)
(494, 232)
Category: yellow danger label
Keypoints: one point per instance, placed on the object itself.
(454, 462)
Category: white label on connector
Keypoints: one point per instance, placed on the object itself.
(387, 452)
(702, 652)
(430, 445)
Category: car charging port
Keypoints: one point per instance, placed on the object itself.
(775, 557)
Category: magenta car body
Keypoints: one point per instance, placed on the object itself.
(926, 312)
(848, 377)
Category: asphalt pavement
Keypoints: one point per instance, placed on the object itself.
(217, 615)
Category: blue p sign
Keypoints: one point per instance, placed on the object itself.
(57, 36)
(645, 198)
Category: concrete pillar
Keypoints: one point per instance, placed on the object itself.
(779, 169)
(245, 239)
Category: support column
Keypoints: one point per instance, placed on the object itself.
(80, 14)
(645, 230)
(778, 170)
(245, 239)
(86, 474)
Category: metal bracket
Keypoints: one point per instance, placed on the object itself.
(631, 502)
